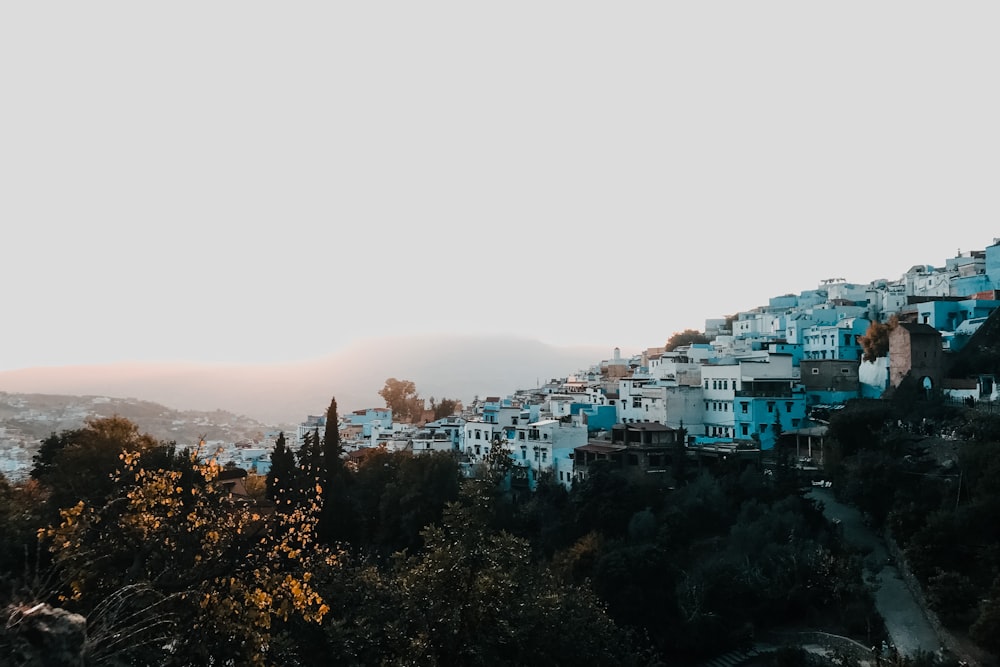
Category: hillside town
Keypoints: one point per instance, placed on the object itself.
(774, 371)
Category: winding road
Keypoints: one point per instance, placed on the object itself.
(905, 620)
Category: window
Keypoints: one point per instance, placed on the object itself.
(477, 435)
(763, 428)
(770, 406)
(745, 407)
(795, 423)
(815, 371)
(788, 406)
(520, 435)
(636, 402)
(743, 429)
(545, 456)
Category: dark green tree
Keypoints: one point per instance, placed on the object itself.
(686, 337)
(80, 464)
(475, 596)
(281, 478)
(445, 408)
(338, 521)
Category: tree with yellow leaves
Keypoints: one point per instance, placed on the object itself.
(193, 573)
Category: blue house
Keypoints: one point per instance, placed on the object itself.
(993, 265)
(948, 314)
(596, 417)
(366, 418)
(761, 402)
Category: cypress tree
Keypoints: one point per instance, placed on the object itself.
(337, 518)
(281, 477)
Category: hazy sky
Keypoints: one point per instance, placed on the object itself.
(263, 182)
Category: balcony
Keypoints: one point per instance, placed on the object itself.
(770, 392)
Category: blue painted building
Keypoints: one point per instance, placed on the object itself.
(366, 418)
(760, 402)
(947, 315)
(794, 350)
(993, 265)
(835, 341)
(783, 302)
(596, 417)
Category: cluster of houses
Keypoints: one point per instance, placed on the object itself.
(775, 371)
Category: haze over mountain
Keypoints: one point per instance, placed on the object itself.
(440, 366)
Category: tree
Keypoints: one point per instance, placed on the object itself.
(171, 571)
(445, 408)
(310, 456)
(281, 477)
(401, 397)
(686, 337)
(337, 516)
(79, 464)
(475, 596)
(875, 341)
(333, 464)
(21, 513)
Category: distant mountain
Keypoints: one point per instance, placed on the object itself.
(35, 416)
(459, 367)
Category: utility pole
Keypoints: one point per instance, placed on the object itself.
(959, 494)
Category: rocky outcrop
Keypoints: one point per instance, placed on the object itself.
(42, 635)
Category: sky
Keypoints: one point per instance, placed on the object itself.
(249, 182)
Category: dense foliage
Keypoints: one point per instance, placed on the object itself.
(927, 471)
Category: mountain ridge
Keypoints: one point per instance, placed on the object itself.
(453, 366)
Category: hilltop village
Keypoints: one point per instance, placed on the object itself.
(762, 376)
